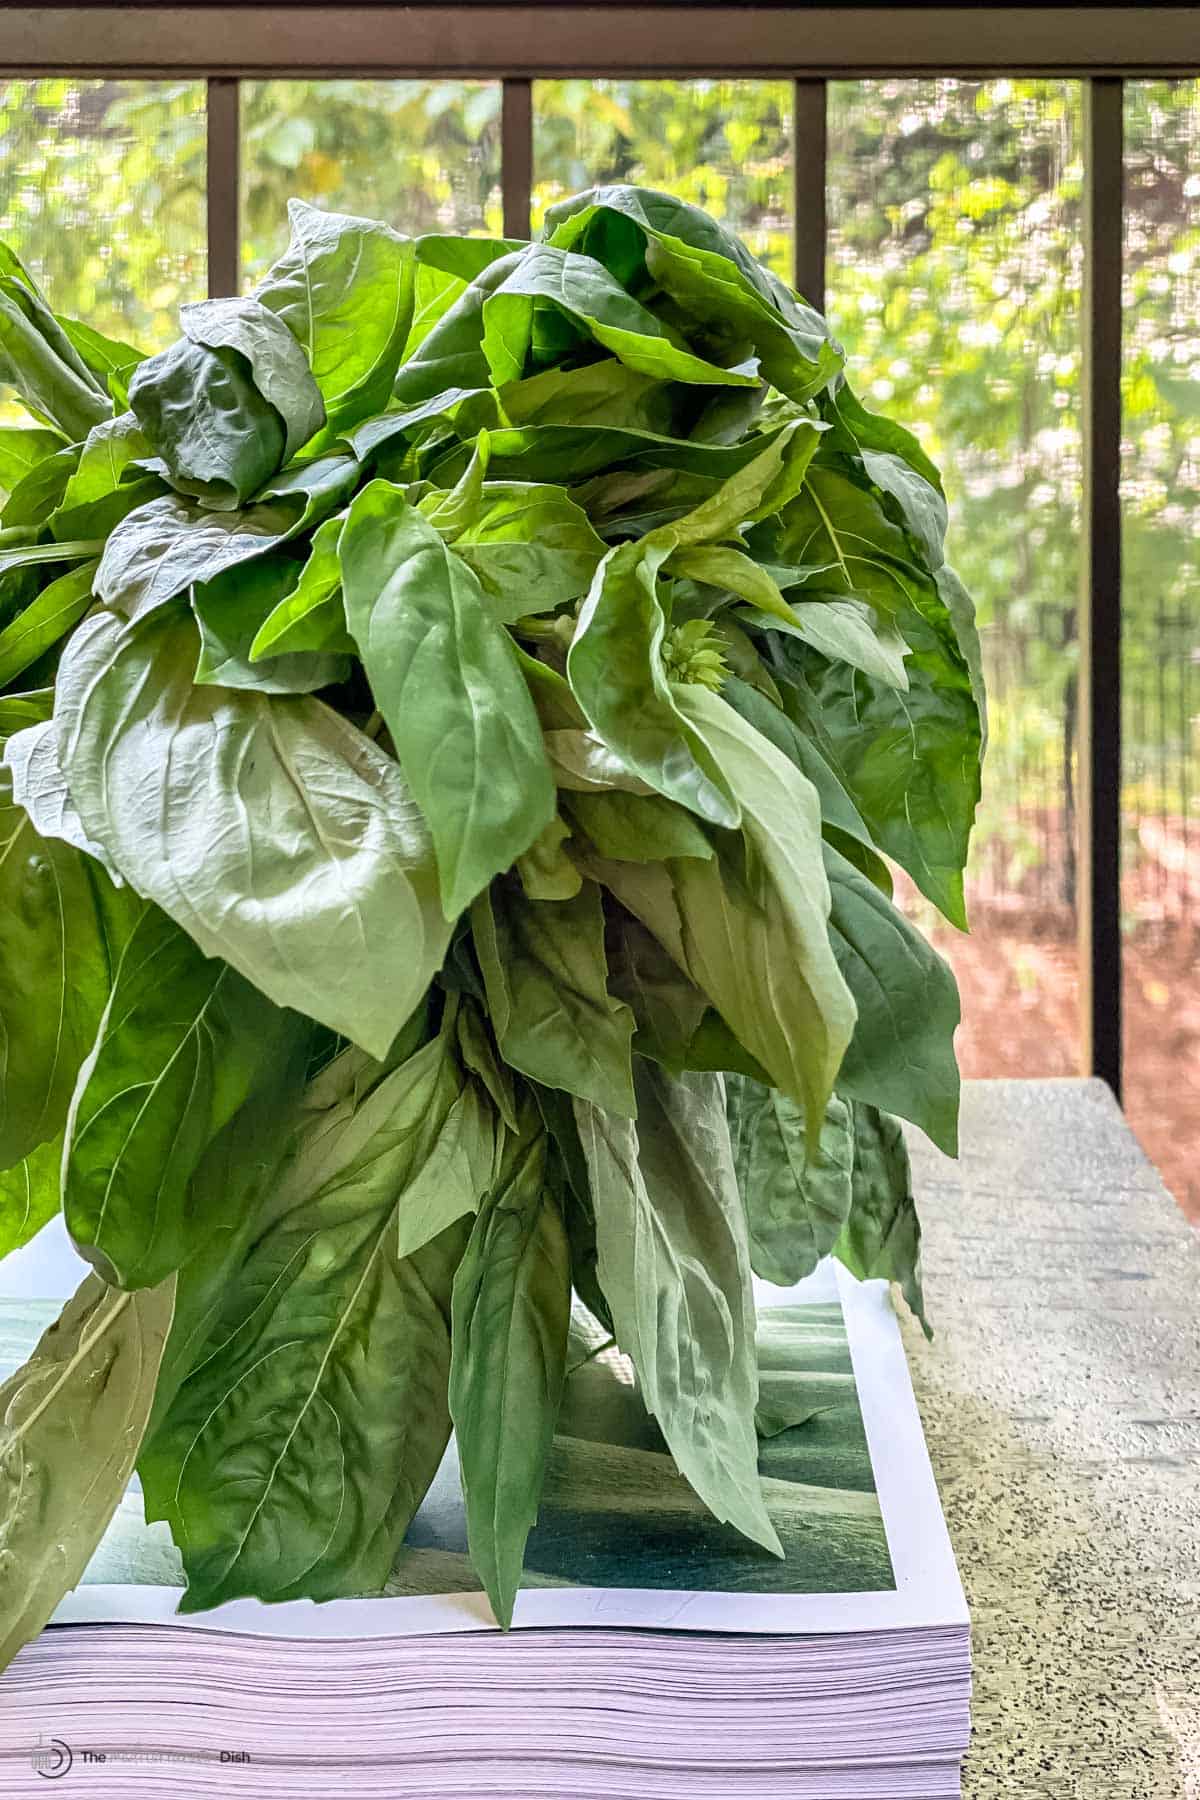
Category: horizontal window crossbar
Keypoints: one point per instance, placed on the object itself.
(531, 40)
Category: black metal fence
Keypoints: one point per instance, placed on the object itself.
(1066, 822)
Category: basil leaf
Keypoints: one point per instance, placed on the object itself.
(546, 870)
(709, 275)
(40, 787)
(159, 550)
(545, 973)
(231, 609)
(616, 673)
(637, 827)
(511, 1308)
(909, 761)
(589, 297)
(881, 1240)
(796, 1203)
(901, 1055)
(447, 681)
(73, 1419)
(159, 1084)
(55, 978)
(734, 950)
(277, 362)
(217, 437)
(310, 616)
(22, 448)
(838, 811)
(38, 493)
(30, 1195)
(844, 630)
(17, 711)
(110, 362)
(674, 1267)
(277, 835)
(50, 388)
(96, 496)
(531, 546)
(57, 609)
(333, 1400)
(344, 289)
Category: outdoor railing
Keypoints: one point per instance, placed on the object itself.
(1102, 46)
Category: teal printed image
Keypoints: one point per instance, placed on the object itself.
(616, 1513)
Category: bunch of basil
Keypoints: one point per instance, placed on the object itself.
(458, 703)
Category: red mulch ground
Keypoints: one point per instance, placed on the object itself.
(1018, 984)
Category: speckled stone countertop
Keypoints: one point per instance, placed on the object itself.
(1061, 1401)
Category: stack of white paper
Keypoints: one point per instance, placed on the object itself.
(654, 1653)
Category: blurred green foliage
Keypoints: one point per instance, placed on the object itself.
(955, 262)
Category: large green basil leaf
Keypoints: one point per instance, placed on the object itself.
(666, 1007)
(446, 679)
(215, 435)
(40, 787)
(546, 870)
(637, 827)
(881, 1240)
(57, 609)
(331, 1401)
(55, 977)
(545, 971)
(30, 1195)
(157, 552)
(22, 448)
(757, 489)
(51, 389)
(710, 276)
(450, 355)
(901, 1056)
(19, 711)
(110, 361)
(410, 422)
(510, 1312)
(531, 546)
(344, 288)
(280, 837)
(310, 616)
(584, 291)
(840, 532)
(569, 453)
(277, 362)
(737, 942)
(909, 761)
(180, 1046)
(599, 393)
(960, 609)
(96, 497)
(674, 1267)
(37, 494)
(72, 1421)
(844, 630)
(839, 815)
(796, 1202)
(230, 611)
(239, 1167)
(616, 672)
(583, 763)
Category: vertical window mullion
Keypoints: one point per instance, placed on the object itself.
(223, 159)
(516, 156)
(1100, 592)
(809, 156)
